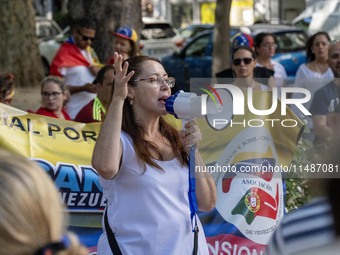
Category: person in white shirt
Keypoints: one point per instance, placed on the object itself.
(142, 163)
(265, 48)
(315, 73)
(78, 64)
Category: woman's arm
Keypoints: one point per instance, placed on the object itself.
(205, 185)
(108, 149)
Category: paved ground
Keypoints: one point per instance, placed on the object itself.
(27, 98)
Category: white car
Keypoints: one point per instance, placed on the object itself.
(50, 37)
(48, 48)
(159, 38)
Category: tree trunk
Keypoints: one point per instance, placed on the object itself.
(18, 43)
(221, 54)
(109, 16)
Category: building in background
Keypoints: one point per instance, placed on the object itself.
(183, 12)
(243, 12)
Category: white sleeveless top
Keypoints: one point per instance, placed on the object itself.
(308, 79)
(149, 212)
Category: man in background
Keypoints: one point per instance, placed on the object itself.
(95, 110)
(312, 225)
(78, 64)
(326, 101)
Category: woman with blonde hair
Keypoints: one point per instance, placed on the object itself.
(54, 97)
(32, 217)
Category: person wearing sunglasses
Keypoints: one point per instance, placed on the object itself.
(54, 96)
(78, 64)
(7, 91)
(261, 74)
(142, 162)
(243, 64)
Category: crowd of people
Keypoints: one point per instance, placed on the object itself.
(136, 147)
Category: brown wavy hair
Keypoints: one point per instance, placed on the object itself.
(310, 42)
(143, 147)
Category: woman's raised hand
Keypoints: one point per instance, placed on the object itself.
(121, 77)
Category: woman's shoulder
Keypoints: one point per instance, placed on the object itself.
(126, 138)
(44, 111)
(304, 70)
(264, 87)
(276, 63)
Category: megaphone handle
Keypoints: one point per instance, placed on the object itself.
(184, 122)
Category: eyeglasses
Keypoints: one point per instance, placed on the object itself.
(246, 61)
(170, 81)
(84, 37)
(269, 45)
(52, 94)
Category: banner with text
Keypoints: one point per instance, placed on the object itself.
(248, 208)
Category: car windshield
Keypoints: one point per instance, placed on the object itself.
(157, 31)
(198, 47)
(46, 29)
(191, 31)
(291, 41)
(304, 23)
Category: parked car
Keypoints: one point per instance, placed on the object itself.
(50, 36)
(195, 59)
(291, 43)
(46, 29)
(191, 30)
(48, 48)
(159, 38)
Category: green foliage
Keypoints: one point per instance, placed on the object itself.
(297, 189)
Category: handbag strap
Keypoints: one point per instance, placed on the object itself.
(193, 208)
(192, 198)
(111, 236)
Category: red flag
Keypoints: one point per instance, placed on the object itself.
(68, 55)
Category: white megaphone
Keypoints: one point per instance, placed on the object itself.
(188, 106)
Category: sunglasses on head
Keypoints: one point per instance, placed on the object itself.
(246, 61)
(85, 38)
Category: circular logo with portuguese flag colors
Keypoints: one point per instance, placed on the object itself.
(252, 201)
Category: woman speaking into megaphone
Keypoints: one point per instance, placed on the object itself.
(143, 166)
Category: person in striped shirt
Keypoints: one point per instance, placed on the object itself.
(309, 226)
